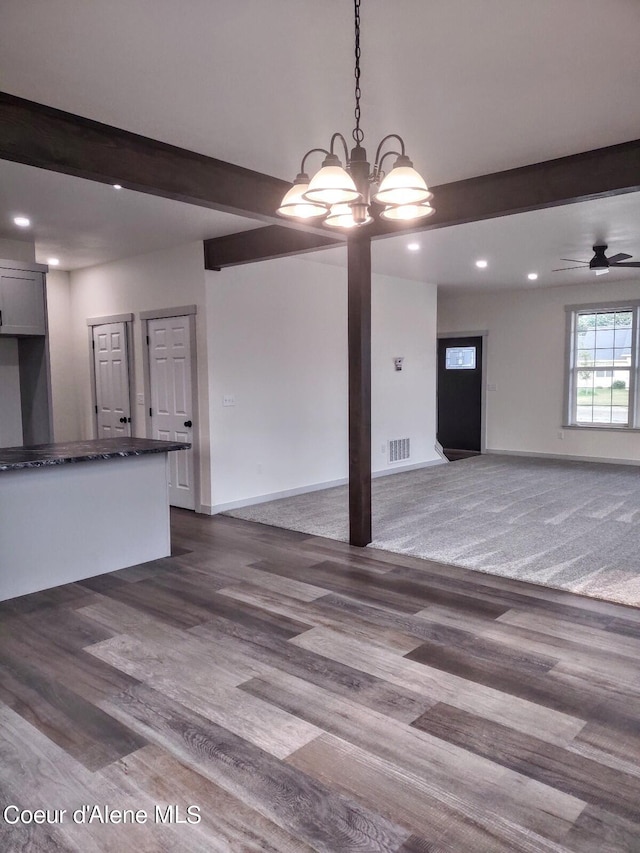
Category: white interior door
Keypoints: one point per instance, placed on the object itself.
(171, 400)
(111, 365)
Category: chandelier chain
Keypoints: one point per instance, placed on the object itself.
(357, 134)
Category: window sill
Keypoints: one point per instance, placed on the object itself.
(602, 428)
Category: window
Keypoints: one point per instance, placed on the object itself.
(460, 358)
(603, 365)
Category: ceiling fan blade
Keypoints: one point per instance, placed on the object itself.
(562, 269)
(615, 259)
(632, 264)
(574, 261)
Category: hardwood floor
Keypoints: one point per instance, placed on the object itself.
(308, 696)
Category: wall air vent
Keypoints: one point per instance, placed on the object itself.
(399, 449)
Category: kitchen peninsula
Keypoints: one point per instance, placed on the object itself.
(73, 510)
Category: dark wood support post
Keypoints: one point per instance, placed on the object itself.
(359, 310)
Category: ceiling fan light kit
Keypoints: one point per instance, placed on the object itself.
(341, 195)
(600, 263)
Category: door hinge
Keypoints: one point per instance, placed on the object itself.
(148, 340)
(93, 344)
(150, 413)
(96, 408)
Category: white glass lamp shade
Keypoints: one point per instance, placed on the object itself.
(341, 216)
(294, 204)
(332, 185)
(407, 212)
(403, 185)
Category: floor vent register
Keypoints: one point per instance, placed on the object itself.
(399, 449)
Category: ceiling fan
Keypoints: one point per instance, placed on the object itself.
(600, 263)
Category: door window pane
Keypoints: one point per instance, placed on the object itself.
(460, 358)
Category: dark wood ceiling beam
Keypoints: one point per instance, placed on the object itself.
(262, 244)
(38, 135)
(602, 172)
(579, 177)
(42, 136)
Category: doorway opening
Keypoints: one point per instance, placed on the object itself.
(460, 397)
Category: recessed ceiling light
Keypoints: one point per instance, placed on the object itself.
(413, 247)
(532, 276)
(53, 262)
(481, 265)
(22, 221)
(117, 186)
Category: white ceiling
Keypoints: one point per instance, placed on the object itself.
(513, 247)
(474, 87)
(84, 223)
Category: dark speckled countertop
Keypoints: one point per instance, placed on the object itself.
(38, 455)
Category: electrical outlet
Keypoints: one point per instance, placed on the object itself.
(229, 400)
(561, 433)
(140, 398)
(383, 449)
(491, 386)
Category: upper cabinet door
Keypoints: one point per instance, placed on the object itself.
(22, 303)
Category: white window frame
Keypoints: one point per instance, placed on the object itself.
(572, 312)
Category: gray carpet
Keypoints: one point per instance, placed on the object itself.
(567, 525)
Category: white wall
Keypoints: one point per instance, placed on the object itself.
(64, 399)
(526, 363)
(278, 332)
(166, 279)
(10, 399)
(403, 323)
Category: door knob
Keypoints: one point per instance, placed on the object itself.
(188, 423)
(123, 420)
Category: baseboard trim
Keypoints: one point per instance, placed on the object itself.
(400, 469)
(315, 487)
(564, 456)
(439, 449)
(274, 496)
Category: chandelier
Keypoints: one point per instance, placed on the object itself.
(342, 195)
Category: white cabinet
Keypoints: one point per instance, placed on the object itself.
(22, 309)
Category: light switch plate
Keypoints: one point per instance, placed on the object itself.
(229, 400)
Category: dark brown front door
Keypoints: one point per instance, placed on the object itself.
(460, 395)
